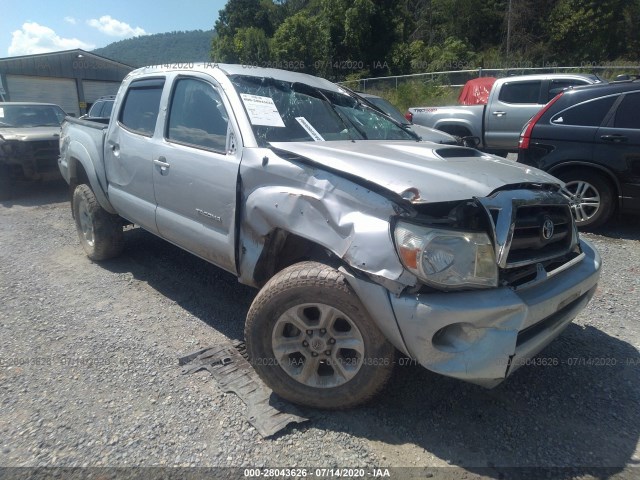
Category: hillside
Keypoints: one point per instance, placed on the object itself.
(192, 46)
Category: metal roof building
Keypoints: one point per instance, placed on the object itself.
(73, 79)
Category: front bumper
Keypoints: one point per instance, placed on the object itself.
(31, 160)
(484, 336)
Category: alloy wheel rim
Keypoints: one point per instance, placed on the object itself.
(318, 345)
(584, 199)
(86, 225)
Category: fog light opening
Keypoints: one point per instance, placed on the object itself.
(457, 337)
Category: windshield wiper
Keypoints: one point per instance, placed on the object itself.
(319, 94)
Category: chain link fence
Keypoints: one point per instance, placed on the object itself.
(457, 78)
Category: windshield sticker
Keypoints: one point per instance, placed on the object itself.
(1, 112)
(262, 111)
(313, 133)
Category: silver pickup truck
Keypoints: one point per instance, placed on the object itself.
(362, 240)
(512, 102)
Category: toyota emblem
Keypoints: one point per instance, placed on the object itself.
(547, 228)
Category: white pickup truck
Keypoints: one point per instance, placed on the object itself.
(512, 102)
(363, 240)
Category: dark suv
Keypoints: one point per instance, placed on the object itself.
(589, 137)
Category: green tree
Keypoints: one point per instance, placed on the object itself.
(302, 41)
(587, 30)
(238, 14)
(251, 46)
(223, 49)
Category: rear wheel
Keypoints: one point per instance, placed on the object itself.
(313, 343)
(591, 197)
(457, 132)
(100, 232)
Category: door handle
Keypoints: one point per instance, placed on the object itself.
(162, 163)
(615, 138)
(499, 114)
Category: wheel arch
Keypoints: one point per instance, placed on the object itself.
(461, 129)
(82, 170)
(608, 175)
(282, 249)
(346, 225)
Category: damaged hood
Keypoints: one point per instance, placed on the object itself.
(30, 134)
(438, 172)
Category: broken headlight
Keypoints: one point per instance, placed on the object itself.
(447, 259)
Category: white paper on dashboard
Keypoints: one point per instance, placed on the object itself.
(262, 110)
(1, 112)
(313, 133)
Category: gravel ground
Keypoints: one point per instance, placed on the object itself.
(89, 373)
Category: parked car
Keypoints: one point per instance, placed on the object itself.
(29, 143)
(101, 109)
(512, 102)
(425, 133)
(361, 238)
(589, 137)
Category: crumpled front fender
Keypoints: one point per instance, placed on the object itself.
(347, 219)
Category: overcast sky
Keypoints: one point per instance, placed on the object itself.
(31, 26)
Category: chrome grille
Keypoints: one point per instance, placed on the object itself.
(530, 226)
(529, 243)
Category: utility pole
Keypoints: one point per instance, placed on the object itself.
(509, 30)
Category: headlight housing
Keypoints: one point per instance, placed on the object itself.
(447, 259)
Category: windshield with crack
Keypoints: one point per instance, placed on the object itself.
(281, 111)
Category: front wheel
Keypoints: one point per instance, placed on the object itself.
(100, 232)
(313, 343)
(590, 196)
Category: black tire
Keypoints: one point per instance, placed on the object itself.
(6, 185)
(100, 232)
(315, 292)
(583, 185)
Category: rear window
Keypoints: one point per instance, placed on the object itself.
(96, 109)
(106, 110)
(141, 105)
(586, 114)
(627, 115)
(520, 92)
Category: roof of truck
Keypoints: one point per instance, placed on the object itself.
(550, 76)
(245, 70)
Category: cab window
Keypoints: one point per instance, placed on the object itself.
(197, 116)
(557, 86)
(520, 92)
(141, 105)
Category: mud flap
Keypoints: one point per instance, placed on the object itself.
(265, 411)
